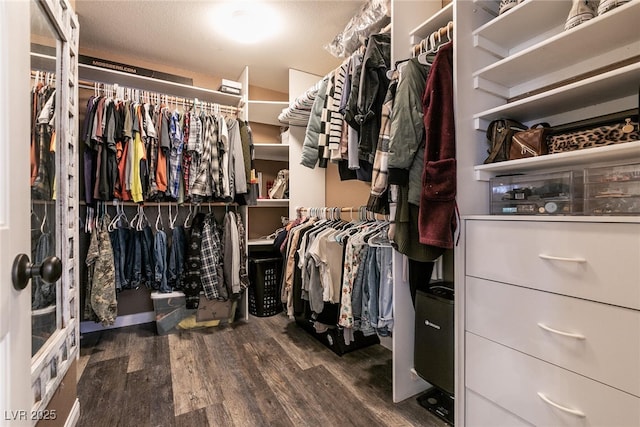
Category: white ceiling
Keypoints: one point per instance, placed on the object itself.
(181, 33)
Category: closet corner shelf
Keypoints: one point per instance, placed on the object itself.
(271, 203)
(266, 112)
(628, 151)
(433, 23)
(561, 54)
(271, 151)
(89, 72)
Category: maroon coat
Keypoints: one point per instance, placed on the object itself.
(437, 218)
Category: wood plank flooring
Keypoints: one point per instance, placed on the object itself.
(265, 372)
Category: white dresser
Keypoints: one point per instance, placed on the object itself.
(551, 331)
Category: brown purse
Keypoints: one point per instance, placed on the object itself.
(499, 136)
(530, 143)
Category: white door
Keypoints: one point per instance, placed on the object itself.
(15, 306)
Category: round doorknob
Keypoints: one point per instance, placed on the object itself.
(50, 270)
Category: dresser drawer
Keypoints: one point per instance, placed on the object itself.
(607, 345)
(596, 261)
(481, 412)
(520, 384)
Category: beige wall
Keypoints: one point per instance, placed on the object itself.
(344, 193)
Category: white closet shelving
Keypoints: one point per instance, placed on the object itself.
(553, 270)
(564, 55)
(266, 111)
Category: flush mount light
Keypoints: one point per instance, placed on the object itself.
(246, 21)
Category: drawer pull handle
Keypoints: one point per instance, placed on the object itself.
(557, 258)
(565, 334)
(562, 408)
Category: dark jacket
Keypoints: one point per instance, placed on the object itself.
(373, 88)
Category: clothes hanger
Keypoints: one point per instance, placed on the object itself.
(159, 224)
(430, 42)
(172, 219)
(186, 220)
(44, 220)
(34, 215)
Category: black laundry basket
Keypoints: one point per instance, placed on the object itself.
(264, 289)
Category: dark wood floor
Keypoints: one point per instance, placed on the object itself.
(265, 372)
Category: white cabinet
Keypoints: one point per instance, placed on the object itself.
(547, 308)
(565, 326)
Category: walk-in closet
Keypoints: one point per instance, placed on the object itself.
(335, 213)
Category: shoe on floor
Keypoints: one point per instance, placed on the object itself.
(581, 11)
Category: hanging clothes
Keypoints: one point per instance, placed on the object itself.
(437, 221)
(160, 282)
(177, 258)
(43, 164)
(43, 294)
(210, 260)
(100, 295)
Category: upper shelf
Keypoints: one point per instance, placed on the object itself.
(532, 18)
(433, 23)
(619, 83)
(96, 74)
(590, 45)
(278, 152)
(266, 111)
(628, 151)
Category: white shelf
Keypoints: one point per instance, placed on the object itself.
(97, 74)
(628, 151)
(586, 47)
(271, 203)
(533, 19)
(434, 23)
(271, 151)
(266, 111)
(260, 242)
(615, 84)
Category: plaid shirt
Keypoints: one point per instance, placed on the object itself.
(210, 257)
(378, 199)
(201, 183)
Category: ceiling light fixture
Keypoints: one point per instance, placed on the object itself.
(247, 21)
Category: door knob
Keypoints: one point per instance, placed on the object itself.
(50, 270)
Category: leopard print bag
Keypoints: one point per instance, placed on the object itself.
(614, 129)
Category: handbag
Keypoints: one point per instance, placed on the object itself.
(530, 143)
(280, 188)
(596, 132)
(499, 136)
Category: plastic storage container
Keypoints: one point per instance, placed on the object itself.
(558, 193)
(264, 290)
(612, 190)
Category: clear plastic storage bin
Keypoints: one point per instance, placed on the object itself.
(612, 190)
(558, 193)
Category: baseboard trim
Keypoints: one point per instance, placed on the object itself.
(74, 415)
(121, 321)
